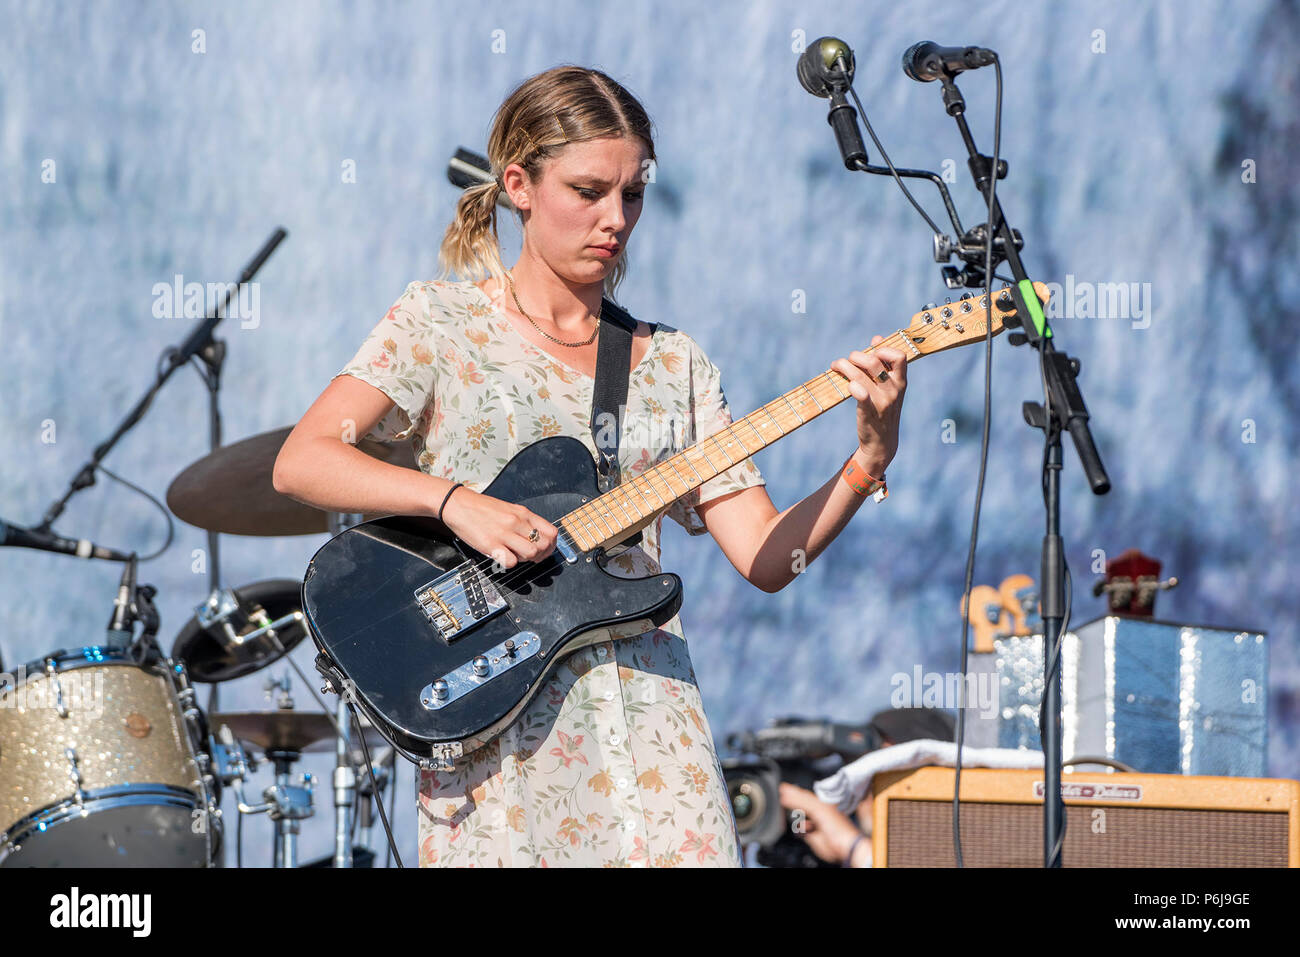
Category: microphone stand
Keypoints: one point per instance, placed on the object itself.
(212, 352)
(1067, 413)
(200, 342)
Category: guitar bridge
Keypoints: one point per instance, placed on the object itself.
(459, 600)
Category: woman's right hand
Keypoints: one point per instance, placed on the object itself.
(497, 528)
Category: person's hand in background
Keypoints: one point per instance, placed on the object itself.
(829, 833)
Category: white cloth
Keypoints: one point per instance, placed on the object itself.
(847, 786)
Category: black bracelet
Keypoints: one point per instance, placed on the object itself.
(445, 497)
(848, 858)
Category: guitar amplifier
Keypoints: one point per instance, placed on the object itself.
(1112, 820)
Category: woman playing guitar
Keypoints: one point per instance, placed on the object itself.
(613, 762)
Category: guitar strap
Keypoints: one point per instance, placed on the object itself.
(609, 395)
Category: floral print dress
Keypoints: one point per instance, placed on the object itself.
(613, 763)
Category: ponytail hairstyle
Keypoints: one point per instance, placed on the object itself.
(566, 104)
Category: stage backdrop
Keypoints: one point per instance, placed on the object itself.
(1152, 147)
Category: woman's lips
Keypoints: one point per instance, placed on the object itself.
(605, 253)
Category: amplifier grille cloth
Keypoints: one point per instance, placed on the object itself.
(1011, 835)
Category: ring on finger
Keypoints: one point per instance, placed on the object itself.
(533, 535)
(883, 376)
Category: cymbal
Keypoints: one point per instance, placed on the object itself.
(230, 490)
(275, 730)
(209, 658)
(286, 730)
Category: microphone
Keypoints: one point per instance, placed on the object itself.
(121, 626)
(926, 61)
(468, 169)
(15, 535)
(825, 69)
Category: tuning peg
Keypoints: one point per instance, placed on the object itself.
(1018, 338)
(1012, 321)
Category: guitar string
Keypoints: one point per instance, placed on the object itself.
(520, 575)
(526, 572)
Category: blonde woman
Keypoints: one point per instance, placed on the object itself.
(613, 762)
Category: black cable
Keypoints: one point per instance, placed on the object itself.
(365, 750)
(984, 457)
(392, 806)
(883, 155)
(171, 525)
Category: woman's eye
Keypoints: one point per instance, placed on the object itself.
(593, 194)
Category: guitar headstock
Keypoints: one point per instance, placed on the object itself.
(963, 322)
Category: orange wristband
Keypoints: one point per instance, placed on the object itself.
(863, 484)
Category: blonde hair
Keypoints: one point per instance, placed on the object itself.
(546, 112)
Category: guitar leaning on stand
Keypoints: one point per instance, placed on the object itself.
(442, 650)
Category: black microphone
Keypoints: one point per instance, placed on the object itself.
(121, 626)
(825, 69)
(34, 538)
(926, 61)
(468, 169)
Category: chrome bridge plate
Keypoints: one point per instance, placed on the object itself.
(458, 600)
(479, 670)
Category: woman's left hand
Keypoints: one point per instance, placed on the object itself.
(879, 402)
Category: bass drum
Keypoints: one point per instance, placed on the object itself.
(99, 766)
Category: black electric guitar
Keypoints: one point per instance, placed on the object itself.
(441, 650)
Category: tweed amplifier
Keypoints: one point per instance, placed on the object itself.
(1112, 820)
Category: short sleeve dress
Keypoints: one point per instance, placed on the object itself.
(613, 763)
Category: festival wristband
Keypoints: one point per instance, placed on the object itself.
(863, 484)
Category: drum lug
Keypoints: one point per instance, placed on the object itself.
(52, 675)
(74, 775)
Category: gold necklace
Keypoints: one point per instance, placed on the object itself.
(571, 345)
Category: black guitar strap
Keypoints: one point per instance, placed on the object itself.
(609, 395)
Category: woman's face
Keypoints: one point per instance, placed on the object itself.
(590, 194)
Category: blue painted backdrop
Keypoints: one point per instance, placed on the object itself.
(1153, 144)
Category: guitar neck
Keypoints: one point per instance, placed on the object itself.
(634, 504)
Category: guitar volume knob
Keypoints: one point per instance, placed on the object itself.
(480, 665)
(440, 689)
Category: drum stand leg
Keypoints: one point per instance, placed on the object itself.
(290, 803)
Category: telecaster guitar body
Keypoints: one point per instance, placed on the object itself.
(398, 603)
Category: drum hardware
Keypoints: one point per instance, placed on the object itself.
(236, 632)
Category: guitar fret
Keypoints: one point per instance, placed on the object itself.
(687, 459)
(820, 407)
(723, 448)
(705, 452)
(762, 441)
(773, 418)
(732, 431)
(619, 499)
(601, 519)
(835, 384)
(646, 476)
(786, 399)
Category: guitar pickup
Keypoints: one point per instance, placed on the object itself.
(459, 600)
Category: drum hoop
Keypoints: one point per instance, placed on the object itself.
(100, 799)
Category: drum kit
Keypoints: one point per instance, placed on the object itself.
(106, 758)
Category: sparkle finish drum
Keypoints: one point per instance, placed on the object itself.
(100, 766)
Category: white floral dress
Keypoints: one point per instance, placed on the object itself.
(613, 763)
